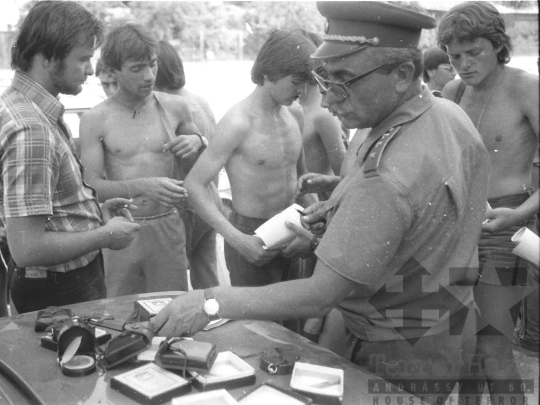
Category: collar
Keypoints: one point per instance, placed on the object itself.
(49, 105)
(406, 112)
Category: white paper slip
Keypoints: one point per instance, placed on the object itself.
(527, 246)
(274, 233)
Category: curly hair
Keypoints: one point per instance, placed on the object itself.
(471, 20)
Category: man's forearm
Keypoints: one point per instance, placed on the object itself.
(529, 208)
(107, 189)
(293, 299)
(53, 248)
(201, 201)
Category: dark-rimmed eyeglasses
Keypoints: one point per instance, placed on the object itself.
(339, 89)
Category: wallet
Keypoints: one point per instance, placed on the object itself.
(186, 355)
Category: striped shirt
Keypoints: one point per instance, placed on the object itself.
(40, 174)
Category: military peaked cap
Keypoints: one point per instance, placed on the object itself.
(352, 26)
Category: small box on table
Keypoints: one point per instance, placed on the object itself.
(216, 397)
(323, 384)
(150, 384)
(228, 371)
(267, 393)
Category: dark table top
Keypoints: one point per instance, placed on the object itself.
(20, 349)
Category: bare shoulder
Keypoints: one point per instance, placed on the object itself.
(450, 90)
(98, 114)
(172, 102)
(237, 121)
(523, 84)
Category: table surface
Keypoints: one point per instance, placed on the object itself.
(20, 349)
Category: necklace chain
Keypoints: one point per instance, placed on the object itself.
(488, 100)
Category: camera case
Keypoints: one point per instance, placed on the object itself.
(136, 338)
(186, 355)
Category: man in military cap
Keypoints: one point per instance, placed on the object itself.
(402, 227)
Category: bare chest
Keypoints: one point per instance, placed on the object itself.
(272, 144)
(127, 136)
(500, 122)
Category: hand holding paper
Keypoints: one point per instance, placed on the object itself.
(274, 233)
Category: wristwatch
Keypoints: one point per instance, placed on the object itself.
(204, 141)
(210, 306)
(314, 243)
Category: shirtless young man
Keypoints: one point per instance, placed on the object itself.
(259, 141)
(502, 103)
(200, 237)
(128, 147)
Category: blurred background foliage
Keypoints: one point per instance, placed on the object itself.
(235, 30)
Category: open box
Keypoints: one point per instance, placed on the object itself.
(228, 371)
(150, 384)
(323, 384)
(217, 397)
(271, 394)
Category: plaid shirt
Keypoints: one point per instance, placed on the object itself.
(40, 174)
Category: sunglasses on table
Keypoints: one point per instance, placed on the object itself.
(339, 89)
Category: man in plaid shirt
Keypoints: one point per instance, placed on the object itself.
(55, 226)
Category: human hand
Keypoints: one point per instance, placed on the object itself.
(117, 207)
(184, 146)
(499, 219)
(164, 190)
(314, 218)
(300, 245)
(316, 183)
(183, 316)
(119, 232)
(251, 247)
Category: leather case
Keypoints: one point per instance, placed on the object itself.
(186, 355)
(136, 338)
(51, 316)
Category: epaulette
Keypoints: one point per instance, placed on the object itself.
(371, 164)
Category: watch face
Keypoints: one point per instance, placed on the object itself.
(211, 307)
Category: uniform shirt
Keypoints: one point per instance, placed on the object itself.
(406, 234)
(40, 173)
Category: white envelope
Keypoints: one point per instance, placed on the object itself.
(274, 233)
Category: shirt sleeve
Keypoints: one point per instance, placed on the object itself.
(28, 167)
(366, 230)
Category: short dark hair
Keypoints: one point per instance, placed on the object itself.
(475, 19)
(284, 53)
(54, 28)
(317, 41)
(128, 41)
(433, 57)
(393, 57)
(170, 74)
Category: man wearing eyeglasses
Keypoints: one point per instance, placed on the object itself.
(437, 70)
(402, 225)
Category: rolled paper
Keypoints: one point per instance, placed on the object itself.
(527, 245)
(274, 233)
